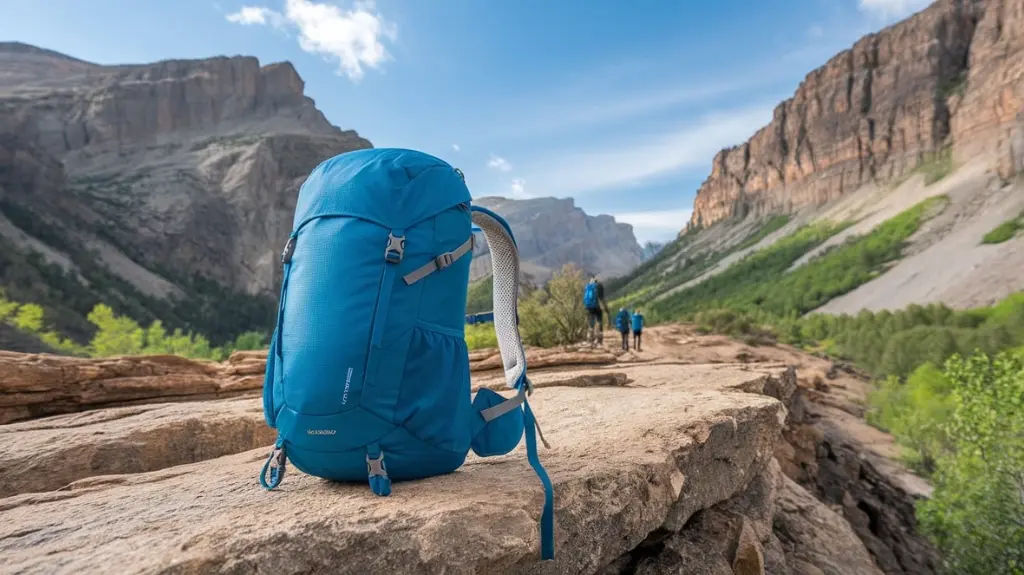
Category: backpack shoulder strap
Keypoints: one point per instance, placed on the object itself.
(505, 264)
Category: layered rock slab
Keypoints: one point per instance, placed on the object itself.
(625, 461)
(47, 454)
(40, 385)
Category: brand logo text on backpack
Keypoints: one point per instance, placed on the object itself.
(321, 431)
(348, 383)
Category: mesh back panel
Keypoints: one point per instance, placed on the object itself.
(505, 259)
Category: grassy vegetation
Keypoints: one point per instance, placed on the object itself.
(479, 297)
(773, 224)
(760, 285)
(665, 270)
(120, 335)
(1005, 231)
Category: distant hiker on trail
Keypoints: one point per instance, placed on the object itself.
(638, 329)
(622, 324)
(593, 300)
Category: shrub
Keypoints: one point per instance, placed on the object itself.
(976, 513)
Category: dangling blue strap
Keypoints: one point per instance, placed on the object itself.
(275, 465)
(547, 519)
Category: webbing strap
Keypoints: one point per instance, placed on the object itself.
(547, 518)
(439, 263)
(492, 413)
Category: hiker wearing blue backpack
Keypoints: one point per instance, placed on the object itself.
(367, 376)
(622, 324)
(638, 328)
(593, 300)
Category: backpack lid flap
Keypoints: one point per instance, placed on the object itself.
(393, 187)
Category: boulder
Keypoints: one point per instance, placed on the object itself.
(625, 461)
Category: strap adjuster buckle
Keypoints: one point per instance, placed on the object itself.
(396, 249)
(444, 260)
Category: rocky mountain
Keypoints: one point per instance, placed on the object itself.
(651, 249)
(949, 79)
(164, 189)
(928, 109)
(552, 232)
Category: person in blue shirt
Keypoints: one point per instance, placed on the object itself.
(638, 329)
(622, 324)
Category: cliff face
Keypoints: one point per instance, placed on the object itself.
(166, 174)
(553, 232)
(951, 75)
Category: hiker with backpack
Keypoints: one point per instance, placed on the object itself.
(367, 375)
(638, 328)
(593, 300)
(622, 324)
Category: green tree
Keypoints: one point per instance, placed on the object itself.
(976, 514)
(115, 335)
(565, 305)
(29, 317)
(915, 413)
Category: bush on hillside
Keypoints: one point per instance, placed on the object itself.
(975, 516)
(548, 316)
(1005, 231)
(914, 412)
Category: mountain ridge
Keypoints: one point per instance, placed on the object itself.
(551, 232)
(878, 110)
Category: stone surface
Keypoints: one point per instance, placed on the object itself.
(731, 523)
(950, 75)
(625, 461)
(989, 119)
(552, 232)
(39, 385)
(49, 453)
(814, 539)
(538, 357)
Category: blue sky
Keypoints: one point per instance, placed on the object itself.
(621, 106)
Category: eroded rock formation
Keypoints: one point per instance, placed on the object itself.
(951, 75)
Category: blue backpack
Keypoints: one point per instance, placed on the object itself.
(590, 296)
(638, 321)
(622, 320)
(367, 375)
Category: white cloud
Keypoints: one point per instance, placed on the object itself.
(634, 162)
(519, 188)
(890, 10)
(353, 38)
(249, 15)
(655, 225)
(499, 163)
(816, 31)
(456, 147)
